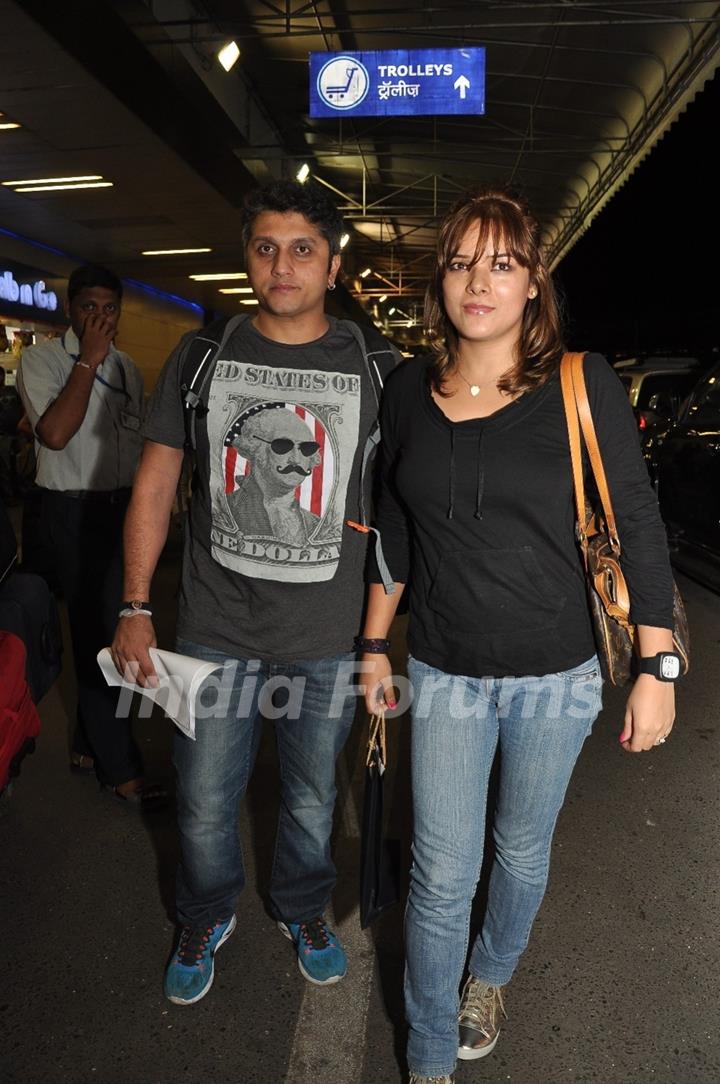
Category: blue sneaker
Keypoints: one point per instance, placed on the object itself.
(190, 973)
(321, 957)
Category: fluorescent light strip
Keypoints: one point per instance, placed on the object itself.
(62, 187)
(253, 302)
(53, 180)
(219, 278)
(187, 304)
(172, 251)
(237, 290)
(4, 127)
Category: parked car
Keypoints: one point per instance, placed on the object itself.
(657, 386)
(683, 457)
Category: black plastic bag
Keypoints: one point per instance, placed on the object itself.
(380, 857)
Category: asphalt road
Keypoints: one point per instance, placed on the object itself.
(620, 983)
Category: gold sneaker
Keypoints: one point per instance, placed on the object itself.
(479, 1019)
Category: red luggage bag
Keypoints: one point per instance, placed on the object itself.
(19, 720)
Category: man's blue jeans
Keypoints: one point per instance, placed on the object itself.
(540, 724)
(312, 720)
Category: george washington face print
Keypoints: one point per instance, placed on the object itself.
(281, 451)
(282, 443)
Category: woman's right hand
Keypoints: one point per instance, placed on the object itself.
(377, 683)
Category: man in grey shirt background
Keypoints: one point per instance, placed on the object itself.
(84, 399)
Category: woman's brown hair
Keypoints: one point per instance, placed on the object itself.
(505, 223)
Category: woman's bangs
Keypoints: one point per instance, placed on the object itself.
(508, 234)
(500, 228)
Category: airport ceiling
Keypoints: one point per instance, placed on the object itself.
(577, 93)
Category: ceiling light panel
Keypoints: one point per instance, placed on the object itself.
(54, 180)
(229, 55)
(219, 278)
(172, 251)
(5, 123)
(62, 187)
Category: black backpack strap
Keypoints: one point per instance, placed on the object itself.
(197, 366)
(379, 354)
(380, 358)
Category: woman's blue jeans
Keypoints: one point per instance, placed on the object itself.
(312, 705)
(539, 724)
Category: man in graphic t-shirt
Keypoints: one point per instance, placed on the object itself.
(272, 584)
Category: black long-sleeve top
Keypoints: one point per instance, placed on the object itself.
(479, 515)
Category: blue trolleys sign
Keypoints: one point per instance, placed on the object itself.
(398, 82)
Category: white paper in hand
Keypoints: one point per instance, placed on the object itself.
(180, 678)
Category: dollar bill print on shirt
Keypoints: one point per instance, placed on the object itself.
(282, 443)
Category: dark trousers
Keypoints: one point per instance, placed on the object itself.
(85, 537)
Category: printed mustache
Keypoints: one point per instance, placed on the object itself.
(294, 468)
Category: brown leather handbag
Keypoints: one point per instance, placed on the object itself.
(600, 544)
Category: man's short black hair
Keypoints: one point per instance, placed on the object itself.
(91, 274)
(305, 199)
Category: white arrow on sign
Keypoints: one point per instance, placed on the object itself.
(462, 83)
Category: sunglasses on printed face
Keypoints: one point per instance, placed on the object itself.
(282, 445)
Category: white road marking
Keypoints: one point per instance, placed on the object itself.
(329, 1042)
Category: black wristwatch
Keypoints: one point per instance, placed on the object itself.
(135, 606)
(665, 666)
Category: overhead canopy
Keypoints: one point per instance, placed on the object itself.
(576, 95)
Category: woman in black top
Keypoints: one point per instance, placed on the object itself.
(476, 508)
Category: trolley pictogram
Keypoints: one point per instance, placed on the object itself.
(343, 82)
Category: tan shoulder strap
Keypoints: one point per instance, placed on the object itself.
(573, 428)
(591, 443)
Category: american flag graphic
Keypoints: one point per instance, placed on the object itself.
(314, 493)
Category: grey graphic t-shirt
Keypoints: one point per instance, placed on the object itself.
(271, 570)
